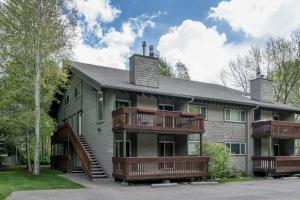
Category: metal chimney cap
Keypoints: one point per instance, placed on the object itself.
(151, 51)
(144, 47)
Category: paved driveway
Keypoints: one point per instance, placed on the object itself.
(106, 190)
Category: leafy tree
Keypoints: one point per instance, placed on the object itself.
(165, 68)
(35, 38)
(219, 159)
(181, 71)
(283, 65)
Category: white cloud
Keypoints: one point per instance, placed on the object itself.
(94, 10)
(204, 50)
(115, 45)
(259, 18)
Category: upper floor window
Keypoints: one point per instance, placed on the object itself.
(67, 99)
(193, 108)
(77, 91)
(100, 102)
(120, 103)
(236, 148)
(167, 107)
(234, 115)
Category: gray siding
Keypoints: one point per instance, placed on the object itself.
(99, 136)
(262, 90)
(144, 70)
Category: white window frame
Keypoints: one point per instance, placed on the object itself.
(230, 109)
(240, 144)
(190, 154)
(162, 104)
(67, 96)
(200, 111)
(122, 100)
(118, 143)
(78, 86)
(97, 102)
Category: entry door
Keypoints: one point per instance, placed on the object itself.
(167, 148)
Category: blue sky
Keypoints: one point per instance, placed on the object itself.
(203, 34)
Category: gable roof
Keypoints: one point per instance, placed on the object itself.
(119, 79)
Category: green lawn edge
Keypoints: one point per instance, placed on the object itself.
(18, 179)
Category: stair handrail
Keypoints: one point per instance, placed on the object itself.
(85, 160)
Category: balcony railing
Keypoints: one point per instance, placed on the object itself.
(279, 129)
(155, 120)
(276, 165)
(135, 168)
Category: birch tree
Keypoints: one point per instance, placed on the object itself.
(38, 35)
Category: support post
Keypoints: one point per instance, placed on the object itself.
(124, 155)
(68, 130)
(270, 146)
(201, 144)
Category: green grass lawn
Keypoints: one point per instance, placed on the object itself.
(228, 180)
(18, 179)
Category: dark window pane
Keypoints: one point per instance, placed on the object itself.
(160, 107)
(169, 108)
(243, 149)
(100, 105)
(227, 115)
(228, 145)
(243, 116)
(235, 148)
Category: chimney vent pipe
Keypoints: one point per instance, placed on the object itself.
(151, 51)
(144, 45)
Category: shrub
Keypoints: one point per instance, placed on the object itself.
(45, 161)
(220, 158)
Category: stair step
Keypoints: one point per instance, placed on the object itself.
(99, 176)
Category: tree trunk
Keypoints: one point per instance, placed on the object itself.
(29, 167)
(37, 100)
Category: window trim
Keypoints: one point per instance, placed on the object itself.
(240, 144)
(225, 109)
(163, 104)
(122, 100)
(206, 113)
(67, 96)
(77, 86)
(192, 141)
(97, 102)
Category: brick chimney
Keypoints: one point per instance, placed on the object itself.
(261, 89)
(143, 69)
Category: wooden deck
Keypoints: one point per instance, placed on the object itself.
(137, 119)
(278, 129)
(276, 165)
(154, 168)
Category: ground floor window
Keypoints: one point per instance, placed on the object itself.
(166, 148)
(236, 148)
(60, 149)
(297, 147)
(119, 148)
(193, 148)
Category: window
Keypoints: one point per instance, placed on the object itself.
(60, 149)
(236, 148)
(297, 147)
(77, 91)
(193, 148)
(119, 148)
(234, 115)
(100, 101)
(198, 109)
(67, 99)
(120, 103)
(167, 107)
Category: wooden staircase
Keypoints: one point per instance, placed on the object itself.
(96, 169)
(89, 164)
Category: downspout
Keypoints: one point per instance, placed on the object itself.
(248, 160)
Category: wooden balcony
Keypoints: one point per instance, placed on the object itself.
(276, 165)
(278, 129)
(155, 168)
(137, 119)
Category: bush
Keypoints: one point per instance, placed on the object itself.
(219, 159)
(45, 161)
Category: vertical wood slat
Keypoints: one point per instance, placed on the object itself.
(135, 168)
